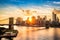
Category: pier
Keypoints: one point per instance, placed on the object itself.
(8, 33)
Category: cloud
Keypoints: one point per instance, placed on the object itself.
(53, 4)
(16, 10)
(12, 11)
(56, 2)
(56, 11)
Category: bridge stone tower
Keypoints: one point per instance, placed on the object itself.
(11, 21)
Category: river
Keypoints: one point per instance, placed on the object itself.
(34, 33)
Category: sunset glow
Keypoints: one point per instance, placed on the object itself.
(25, 9)
(30, 19)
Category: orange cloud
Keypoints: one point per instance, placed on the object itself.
(56, 11)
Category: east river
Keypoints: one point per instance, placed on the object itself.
(37, 33)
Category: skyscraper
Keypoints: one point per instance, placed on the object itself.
(53, 16)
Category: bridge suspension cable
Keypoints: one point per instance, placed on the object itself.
(4, 19)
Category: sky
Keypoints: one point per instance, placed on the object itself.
(25, 3)
(18, 8)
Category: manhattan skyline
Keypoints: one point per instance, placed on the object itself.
(19, 8)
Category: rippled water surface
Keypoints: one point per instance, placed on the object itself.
(33, 33)
(37, 33)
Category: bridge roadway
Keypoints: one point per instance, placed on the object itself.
(22, 25)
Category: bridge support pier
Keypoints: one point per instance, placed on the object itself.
(11, 21)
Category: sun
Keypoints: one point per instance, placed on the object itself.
(30, 19)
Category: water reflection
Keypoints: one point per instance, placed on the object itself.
(57, 34)
(32, 33)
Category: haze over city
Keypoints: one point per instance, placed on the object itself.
(12, 8)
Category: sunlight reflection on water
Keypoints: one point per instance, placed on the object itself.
(36, 33)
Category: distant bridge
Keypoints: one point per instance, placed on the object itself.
(11, 24)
